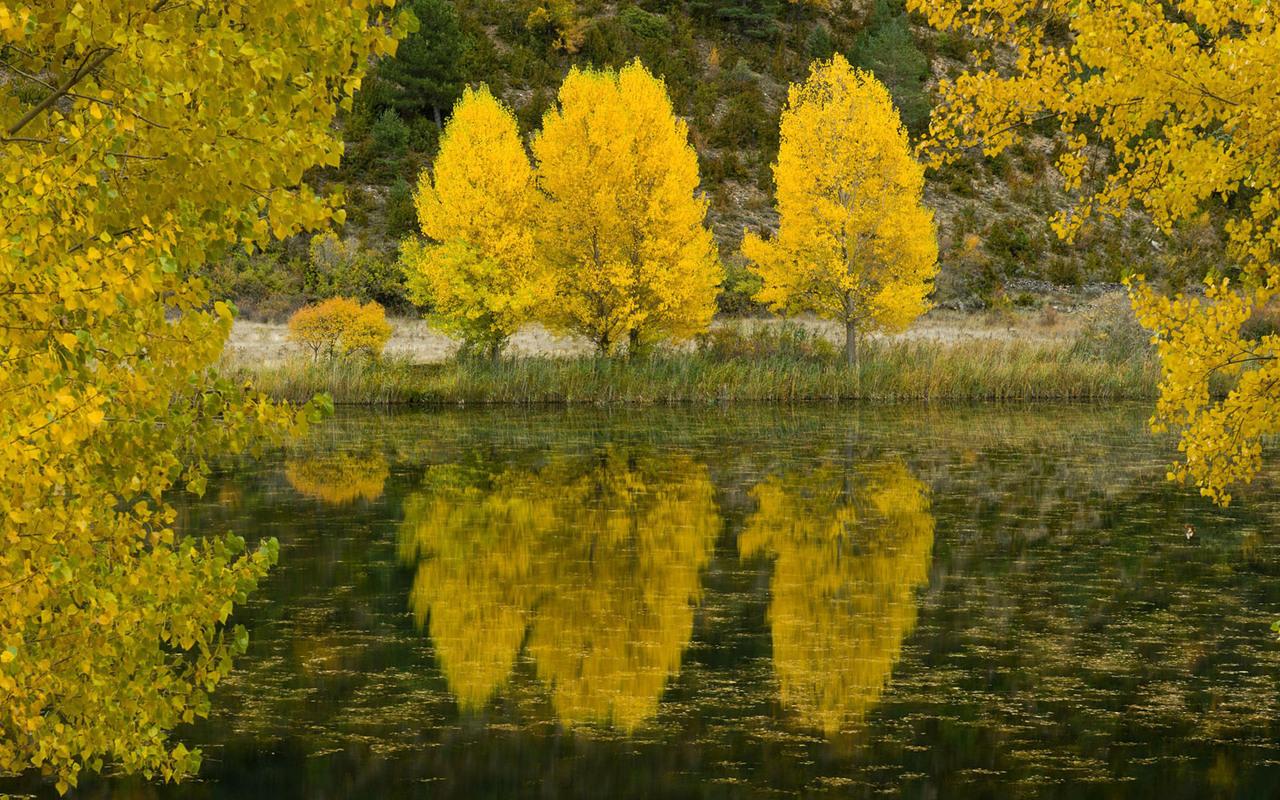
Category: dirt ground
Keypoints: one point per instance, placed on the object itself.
(267, 343)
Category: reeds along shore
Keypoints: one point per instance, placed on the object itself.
(973, 370)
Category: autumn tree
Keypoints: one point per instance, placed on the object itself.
(137, 139)
(477, 269)
(341, 326)
(854, 243)
(559, 21)
(620, 222)
(1170, 107)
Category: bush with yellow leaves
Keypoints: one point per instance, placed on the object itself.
(340, 326)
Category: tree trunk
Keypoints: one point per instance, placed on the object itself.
(439, 122)
(633, 343)
(851, 343)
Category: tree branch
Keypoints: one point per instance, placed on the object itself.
(86, 66)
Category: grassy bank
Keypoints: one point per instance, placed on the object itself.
(888, 371)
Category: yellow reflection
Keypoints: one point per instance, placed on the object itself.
(851, 547)
(338, 478)
(595, 562)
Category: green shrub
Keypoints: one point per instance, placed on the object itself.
(958, 176)
(1011, 242)
(745, 121)
(784, 340)
(266, 285)
(390, 135)
(1062, 271)
(345, 268)
(954, 45)
(820, 43)
(644, 24)
(530, 114)
(1111, 333)
(740, 287)
(424, 135)
(402, 217)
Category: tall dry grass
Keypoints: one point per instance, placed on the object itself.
(785, 367)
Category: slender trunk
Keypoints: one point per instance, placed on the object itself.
(633, 343)
(435, 110)
(851, 343)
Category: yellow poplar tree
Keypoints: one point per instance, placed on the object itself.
(854, 243)
(1171, 107)
(137, 139)
(477, 269)
(620, 222)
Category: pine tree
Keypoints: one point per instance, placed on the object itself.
(426, 72)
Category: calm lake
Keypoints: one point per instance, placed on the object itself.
(741, 603)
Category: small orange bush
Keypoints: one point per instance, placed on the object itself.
(340, 326)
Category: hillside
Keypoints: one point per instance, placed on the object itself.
(727, 64)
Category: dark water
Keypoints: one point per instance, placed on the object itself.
(743, 603)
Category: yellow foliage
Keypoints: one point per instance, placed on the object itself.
(338, 478)
(1170, 107)
(561, 19)
(138, 139)
(621, 225)
(477, 271)
(851, 548)
(594, 562)
(854, 244)
(341, 326)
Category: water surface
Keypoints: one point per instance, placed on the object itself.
(742, 603)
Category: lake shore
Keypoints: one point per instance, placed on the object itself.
(415, 341)
(974, 370)
(1094, 352)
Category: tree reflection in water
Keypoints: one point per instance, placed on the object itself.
(338, 478)
(591, 563)
(850, 549)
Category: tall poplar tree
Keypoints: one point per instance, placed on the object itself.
(477, 269)
(855, 242)
(620, 223)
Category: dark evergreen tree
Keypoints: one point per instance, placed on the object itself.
(425, 76)
(757, 19)
(887, 49)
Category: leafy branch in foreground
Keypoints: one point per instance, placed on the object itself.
(143, 138)
(1169, 106)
